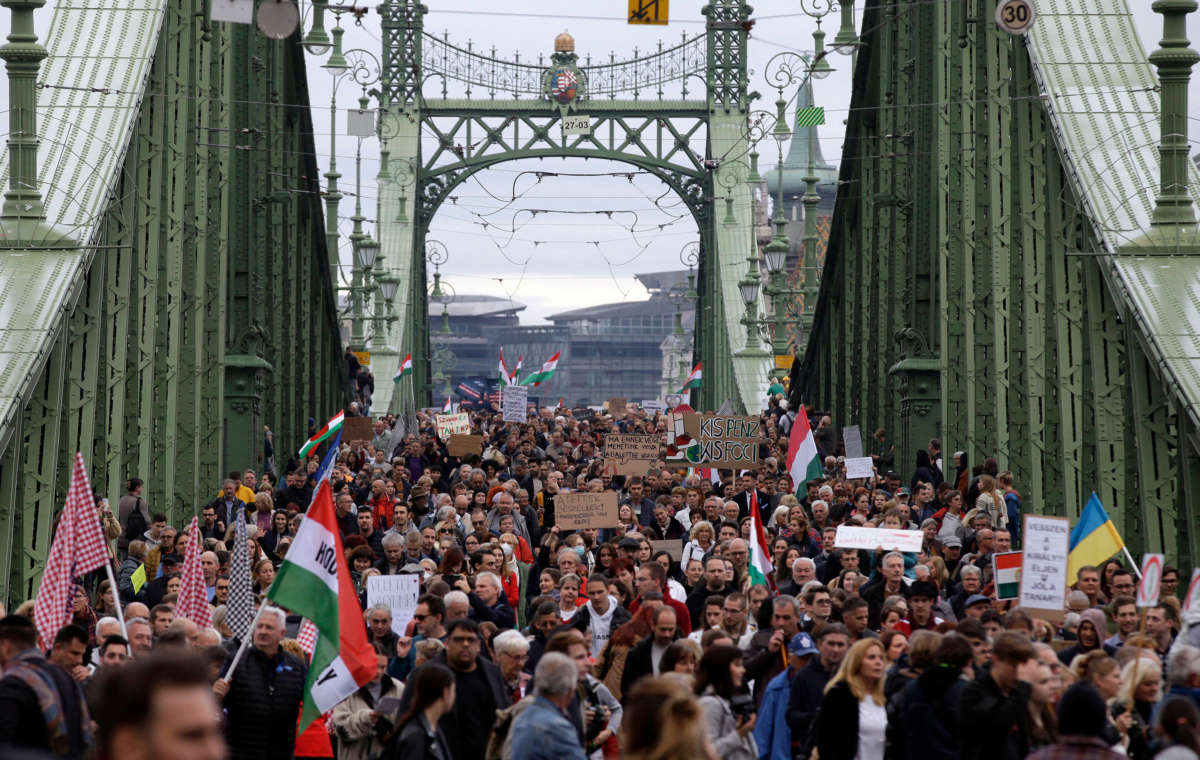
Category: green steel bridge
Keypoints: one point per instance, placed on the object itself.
(997, 274)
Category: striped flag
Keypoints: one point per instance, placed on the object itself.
(448, 406)
(404, 369)
(314, 582)
(331, 427)
(813, 116)
(78, 548)
(802, 461)
(239, 610)
(193, 599)
(760, 551)
(545, 373)
(1006, 573)
(694, 380)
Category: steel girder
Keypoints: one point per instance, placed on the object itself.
(972, 296)
(206, 311)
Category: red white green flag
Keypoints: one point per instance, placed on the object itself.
(505, 376)
(802, 461)
(314, 582)
(693, 380)
(760, 550)
(545, 373)
(331, 428)
(1006, 572)
(404, 369)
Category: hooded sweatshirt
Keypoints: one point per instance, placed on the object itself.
(601, 625)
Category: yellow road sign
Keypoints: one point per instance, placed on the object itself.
(648, 11)
(364, 357)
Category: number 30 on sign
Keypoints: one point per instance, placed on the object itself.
(1015, 16)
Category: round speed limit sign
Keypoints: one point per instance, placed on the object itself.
(1015, 16)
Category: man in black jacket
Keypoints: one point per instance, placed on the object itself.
(714, 583)
(643, 659)
(764, 659)
(263, 697)
(808, 687)
(26, 675)
(993, 714)
(479, 691)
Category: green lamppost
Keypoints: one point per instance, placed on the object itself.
(23, 219)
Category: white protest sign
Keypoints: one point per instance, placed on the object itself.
(452, 424)
(1044, 563)
(513, 402)
(858, 537)
(654, 405)
(1192, 597)
(236, 11)
(399, 592)
(859, 467)
(852, 439)
(1147, 590)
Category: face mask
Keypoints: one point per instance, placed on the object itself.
(580, 551)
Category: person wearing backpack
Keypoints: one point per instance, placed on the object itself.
(133, 513)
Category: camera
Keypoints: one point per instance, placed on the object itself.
(742, 705)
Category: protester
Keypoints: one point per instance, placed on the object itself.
(418, 734)
(360, 721)
(994, 712)
(852, 720)
(543, 731)
(41, 706)
(719, 680)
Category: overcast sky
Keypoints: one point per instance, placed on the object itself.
(591, 234)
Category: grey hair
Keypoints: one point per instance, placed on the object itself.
(279, 614)
(140, 620)
(510, 642)
(446, 513)
(889, 555)
(556, 674)
(490, 577)
(822, 502)
(970, 570)
(413, 535)
(392, 539)
(783, 599)
(380, 607)
(107, 620)
(1183, 662)
(456, 597)
(803, 559)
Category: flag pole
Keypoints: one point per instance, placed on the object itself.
(1132, 564)
(237, 657)
(116, 598)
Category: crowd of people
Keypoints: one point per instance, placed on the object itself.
(646, 639)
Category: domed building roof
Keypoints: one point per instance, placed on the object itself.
(795, 165)
(564, 43)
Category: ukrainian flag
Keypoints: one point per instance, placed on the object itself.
(1093, 539)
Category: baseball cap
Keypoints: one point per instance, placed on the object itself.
(974, 599)
(801, 644)
(954, 541)
(903, 491)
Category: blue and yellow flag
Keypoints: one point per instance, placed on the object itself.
(1093, 539)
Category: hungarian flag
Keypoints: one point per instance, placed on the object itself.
(331, 428)
(404, 369)
(1007, 575)
(314, 582)
(693, 380)
(760, 551)
(505, 377)
(516, 373)
(802, 461)
(448, 406)
(545, 373)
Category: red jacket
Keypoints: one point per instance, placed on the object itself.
(683, 618)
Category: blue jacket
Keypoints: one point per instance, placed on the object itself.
(771, 732)
(542, 732)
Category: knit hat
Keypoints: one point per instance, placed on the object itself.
(1081, 712)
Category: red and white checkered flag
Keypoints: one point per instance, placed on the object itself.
(307, 637)
(78, 548)
(193, 600)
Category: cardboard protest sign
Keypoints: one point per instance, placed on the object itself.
(464, 445)
(399, 592)
(708, 440)
(452, 424)
(1044, 566)
(1006, 574)
(859, 467)
(629, 453)
(573, 511)
(672, 546)
(513, 400)
(357, 429)
(616, 407)
(857, 537)
(1147, 589)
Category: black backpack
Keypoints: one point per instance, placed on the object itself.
(137, 525)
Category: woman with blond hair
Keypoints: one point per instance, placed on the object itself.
(852, 719)
(991, 501)
(701, 540)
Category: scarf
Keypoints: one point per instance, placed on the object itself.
(29, 667)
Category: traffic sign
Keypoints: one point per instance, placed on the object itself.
(1015, 16)
(648, 11)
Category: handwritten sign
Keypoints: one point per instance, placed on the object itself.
(357, 429)
(616, 407)
(859, 467)
(464, 445)
(1147, 590)
(452, 424)
(399, 592)
(1044, 564)
(574, 511)
(858, 537)
(513, 400)
(654, 405)
(631, 454)
(727, 442)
